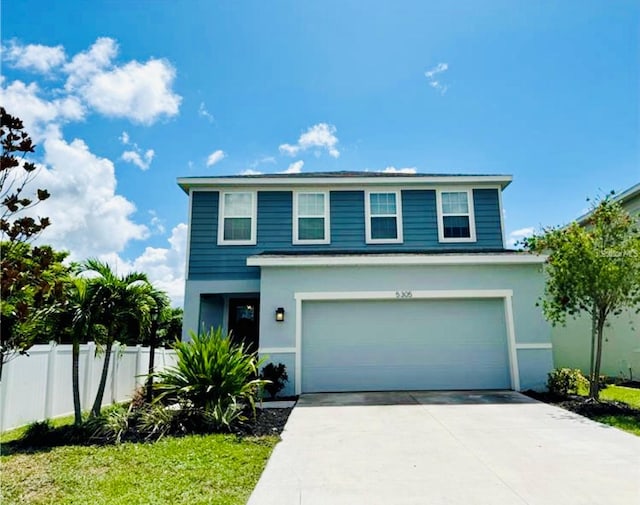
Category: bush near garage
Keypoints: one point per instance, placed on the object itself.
(566, 381)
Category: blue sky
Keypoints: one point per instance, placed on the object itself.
(124, 97)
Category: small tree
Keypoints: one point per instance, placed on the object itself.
(15, 173)
(32, 279)
(592, 269)
(69, 318)
(158, 310)
(120, 304)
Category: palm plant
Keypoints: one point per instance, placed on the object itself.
(70, 317)
(158, 311)
(121, 305)
(211, 373)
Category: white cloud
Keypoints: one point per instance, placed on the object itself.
(321, 136)
(250, 171)
(394, 170)
(156, 223)
(261, 161)
(88, 217)
(142, 161)
(164, 266)
(84, 209)
(215, 157)
(432, 77)
(137, 91)
(135, 154)
(88, 63)
(25, 101)
(294, 168)
(517, 235)
(34, 57)
(203, 112)
(140, 92)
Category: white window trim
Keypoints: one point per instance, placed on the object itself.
(367, 211)
(472, 217)
(254, 219)
(296, 216)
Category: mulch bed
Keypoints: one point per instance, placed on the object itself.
(267, 422)
(585, 407)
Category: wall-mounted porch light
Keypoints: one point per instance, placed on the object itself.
(280, 314)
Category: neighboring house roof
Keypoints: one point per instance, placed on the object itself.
(626, 199)
(346, 178)
(628, 194)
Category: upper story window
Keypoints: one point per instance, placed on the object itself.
(383, 217)
(237, 218)
(311, 218)
(456, 221)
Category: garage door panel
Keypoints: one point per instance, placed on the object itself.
(408, 344)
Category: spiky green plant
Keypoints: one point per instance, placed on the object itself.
(211, 373)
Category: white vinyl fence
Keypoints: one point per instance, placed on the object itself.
(38, 386)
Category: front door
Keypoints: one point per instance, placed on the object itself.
(244, 322)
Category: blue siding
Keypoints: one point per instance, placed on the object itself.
(419, 219)
(209, 261)
(486, 206)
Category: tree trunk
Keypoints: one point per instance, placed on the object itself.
(152, 359)
(594, 389)
(594, 331)
(75, 372)
(97, 404)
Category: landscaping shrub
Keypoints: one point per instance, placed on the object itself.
(110, 426)
(212, 375)
(277, 377)
(45, 434)
(37, 433)
(156, 421)
(565, 381)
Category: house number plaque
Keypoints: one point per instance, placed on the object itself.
(404, 294)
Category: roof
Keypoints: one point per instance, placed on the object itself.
(342, 178)
(622, 198)
(628, 194)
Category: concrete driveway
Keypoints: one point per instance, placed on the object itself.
(433, 448)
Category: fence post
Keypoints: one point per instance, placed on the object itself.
(115, 352)
(88, 375)
(50, 390)
(138, 360)
(5, 385)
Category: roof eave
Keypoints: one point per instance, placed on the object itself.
(395, 259)
(187, 183)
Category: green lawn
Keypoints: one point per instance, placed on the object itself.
(630, 396)
(211, 469)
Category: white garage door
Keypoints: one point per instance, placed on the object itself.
(383, 345)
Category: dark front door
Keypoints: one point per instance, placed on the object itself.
(244, 321)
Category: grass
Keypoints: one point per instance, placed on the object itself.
(17, 433)
(630, 396)
(622, 422)
(196, 469)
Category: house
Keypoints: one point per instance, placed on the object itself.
(362, 281)
(621, 348)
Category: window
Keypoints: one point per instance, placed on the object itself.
(237, 223)
(311, 218)
(383, 217)
(455, 216)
